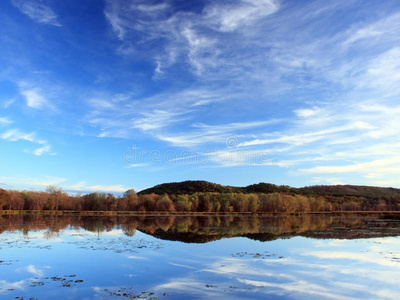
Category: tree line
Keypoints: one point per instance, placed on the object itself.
(55, 199)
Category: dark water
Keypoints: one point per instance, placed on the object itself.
(125, 257)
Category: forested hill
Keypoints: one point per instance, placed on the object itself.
(200, 186)
(190, 187)
(349, 190)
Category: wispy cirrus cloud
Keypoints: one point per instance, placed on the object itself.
(196, 37)
(42, 150)
(335, 85)
(5, 120)
(84, 186)
(14, 135)
(151, 115)
(364, 149)
(37, 11)
(27, 182)
(229, 16)
(41, 182)
(214, 134)
(34, 98)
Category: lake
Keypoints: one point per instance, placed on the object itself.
(202, 257)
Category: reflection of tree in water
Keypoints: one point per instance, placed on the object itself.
(207, 228)
(129, 231)
(49, 234)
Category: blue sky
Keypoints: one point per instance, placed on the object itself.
(110, 95)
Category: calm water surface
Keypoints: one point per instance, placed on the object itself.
(303, 257)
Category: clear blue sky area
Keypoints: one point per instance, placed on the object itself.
(117, 94)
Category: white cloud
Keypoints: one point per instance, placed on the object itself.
(8, 103)
(37, 11)
(222, 134)
(307, 112)
(137, 165)
(334, 181)
(383, 73)
(351, 71)
(14, 135)
(27, 182)
(386, 165)
(101, 104)
(230, 16)
(156, 119)
(188, 37)
(34, 99)
(152, 115)
(42, 150)
(41, 182)
(83, 186)
(384, 30)
(308, 137)
(5, 120)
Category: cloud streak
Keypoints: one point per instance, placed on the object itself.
(14, 135)
(34, 97)
(37, 11)
(5, 120)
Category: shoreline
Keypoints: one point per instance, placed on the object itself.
(194, 214)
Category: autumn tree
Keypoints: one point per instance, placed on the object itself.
(132, 199)
(94, 201)
(14, 201)
(182, 203)
(55, 197)
(3, 198)
(165, 204)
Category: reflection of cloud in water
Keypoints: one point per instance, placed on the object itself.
(34, 270)
(379, 293)
(186, 284)
(283, 284)
(391, 241)
(183, 266)
(5, 285)
(330, 243)
(298, 275)
(196, 287)
(33, 240)
(242, 267)
(300, 286)
(331, 272)
(37, 271)
(137, 257)
(82, 233)
(369, 257)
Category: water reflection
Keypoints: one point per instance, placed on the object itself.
(181, 257)
(201, 229)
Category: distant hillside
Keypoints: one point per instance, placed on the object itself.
(349, 190)
(199, 186)
(190, 187)
(267, 188)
